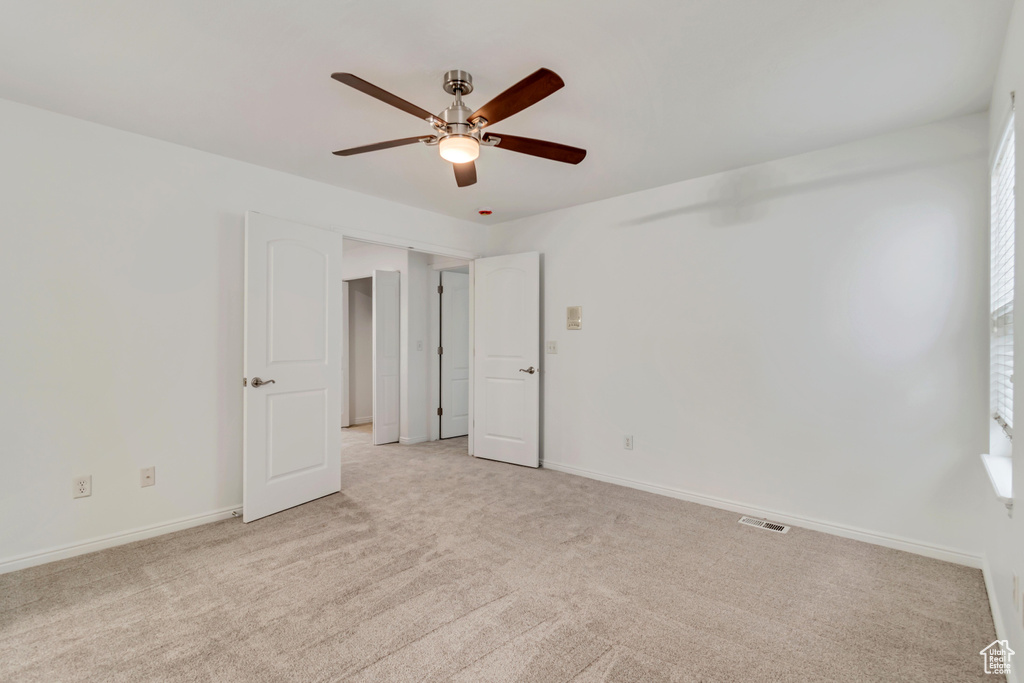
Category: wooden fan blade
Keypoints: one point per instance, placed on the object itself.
(465, 174)
(523, 94)
(539, 148)
(380, 145)
(384, 96)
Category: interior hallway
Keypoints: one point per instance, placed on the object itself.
(433, 565)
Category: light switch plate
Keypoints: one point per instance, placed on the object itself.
(147, 476)
(551, 347)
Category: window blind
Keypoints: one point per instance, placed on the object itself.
(1001, 370)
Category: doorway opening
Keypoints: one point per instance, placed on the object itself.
(297, 403)
(393, 389)
(453, 352)
(360, 353)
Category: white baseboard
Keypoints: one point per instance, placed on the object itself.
(997, 615)
(111, 540)
(405, 441)
(916, 547)
(362, 420)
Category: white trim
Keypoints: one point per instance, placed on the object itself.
(435, 342)
(449, 263)
(346, 398)
(1000, 474)
(997, 617)
(385, 239)
(435, 365)
(916, 547)
(1004, 126)
(111, 540)
(361, 421)
(407, 440)
(472, 354)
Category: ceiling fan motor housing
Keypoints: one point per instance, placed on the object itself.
(457, 79)
(458, 82)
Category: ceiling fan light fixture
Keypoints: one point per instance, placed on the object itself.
(459, 149)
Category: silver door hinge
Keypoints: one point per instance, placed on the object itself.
(440, 411)
(440, 289)
(440, 350)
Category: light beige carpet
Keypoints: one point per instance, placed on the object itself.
(432, 565)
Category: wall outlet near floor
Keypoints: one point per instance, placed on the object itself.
(81, 487)
(627, 442)
(147, 476)
(551, 347)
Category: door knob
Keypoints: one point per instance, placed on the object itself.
(257, 382)
(530, 370)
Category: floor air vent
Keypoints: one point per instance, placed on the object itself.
(763, 524)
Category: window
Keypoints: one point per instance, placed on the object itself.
(1001, 359)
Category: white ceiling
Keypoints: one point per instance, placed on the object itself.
(657, 92)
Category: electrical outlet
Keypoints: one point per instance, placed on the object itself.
(551, 347)
(147, 476)
(627, 442)
(81, 486)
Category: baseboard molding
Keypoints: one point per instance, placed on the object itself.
(407, 440)
(362, 420)
(111, 540)
(997, 617)
(896, 542)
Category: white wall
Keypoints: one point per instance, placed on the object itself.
(415, 382)
(805, 337)
(360, 349)
(121, 301)
(360, 259)
(1004, 536)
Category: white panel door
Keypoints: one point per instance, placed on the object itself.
(455, 356)
(386, 356)
(507, 354)
(293, 365)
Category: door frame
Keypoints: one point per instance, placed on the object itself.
(346, 409)
(427, 248)
(435, 341)
(349, 418)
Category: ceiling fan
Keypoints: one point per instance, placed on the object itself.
(459, 132)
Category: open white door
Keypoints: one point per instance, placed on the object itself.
(507, 358)
(455, 354)
(293, 365)
(386, 356)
